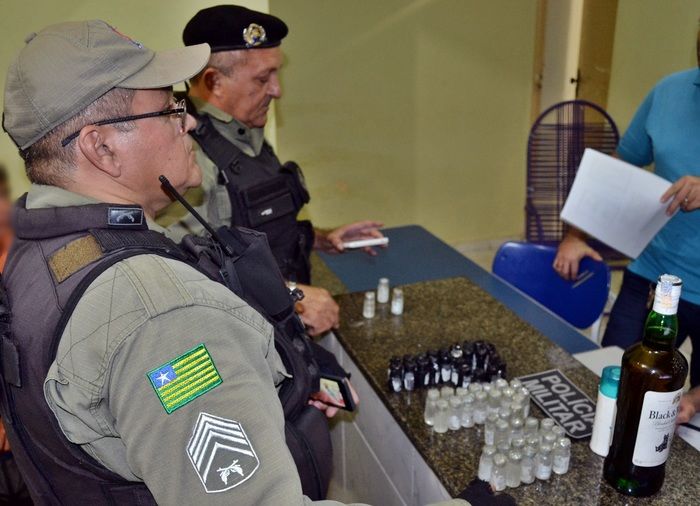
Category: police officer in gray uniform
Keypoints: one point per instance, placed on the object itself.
(158, 385)
(244, 183)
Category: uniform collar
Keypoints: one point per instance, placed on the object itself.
(46, 197)
(232, 129)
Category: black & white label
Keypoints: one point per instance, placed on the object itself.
(657, 423)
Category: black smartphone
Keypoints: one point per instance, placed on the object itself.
(337, 393)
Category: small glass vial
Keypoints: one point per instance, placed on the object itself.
(454, 420)
(502, 432)
(474, 388)
(397, 301)
(517, 443)
(501, 383)
(445, 366)
(532, 425)
(559, 431)
(460, 392)
(504, 413)
(440, 423)
(383, 290)
(513, 468)
(516, 384)
(546, 425)
(468, 411)
(494, 400)
(396, 374)
(507, 392)
(526, 393)
(533, 440)
(498, 473)
(486, 462)
(431, 406)
(549, 438)
(516, 428)
(490, 429)
(409, 374)
(503, 447)
(527, 465)
(561, 456)
(368, 307)
(543, 463)
(446, 392)
(480, 408)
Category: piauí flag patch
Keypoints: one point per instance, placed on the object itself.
(184, 378)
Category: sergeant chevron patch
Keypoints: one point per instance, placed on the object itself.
(221, 453)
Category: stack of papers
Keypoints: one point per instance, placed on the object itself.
(617, 203)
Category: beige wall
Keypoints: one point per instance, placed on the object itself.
(156, 23)
(653, 38)
(410, 111)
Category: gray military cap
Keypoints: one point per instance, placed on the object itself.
(67, 66)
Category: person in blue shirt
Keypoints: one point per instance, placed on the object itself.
(665, 131)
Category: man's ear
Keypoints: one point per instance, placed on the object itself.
(211, 79)
(96, 144)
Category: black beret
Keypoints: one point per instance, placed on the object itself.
(229, 27)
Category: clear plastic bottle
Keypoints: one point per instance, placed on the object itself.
(440, 423)
(513, 468)
(486, 462)
(468, 411)
(431, 406)
(490, 429)
(498, 473)
(532, 425)
(494, 400)
(446, 392)
(527, 465)
(369, 305)
(383, 290)
(516, 428)
(454, 419)
(480, 407)
(561, 456)
(502, 432)
(475, 387)
(543, 466)
(397, 301)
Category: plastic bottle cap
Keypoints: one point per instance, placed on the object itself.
(610, 381)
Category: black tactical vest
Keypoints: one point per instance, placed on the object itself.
(265, 195)
(57, 254)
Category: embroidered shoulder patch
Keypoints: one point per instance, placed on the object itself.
(184, 378)
(221, 453)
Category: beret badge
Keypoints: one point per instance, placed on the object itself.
(254, 35)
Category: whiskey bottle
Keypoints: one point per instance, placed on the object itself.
(651, 384)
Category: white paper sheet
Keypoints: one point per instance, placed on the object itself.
(616, 202)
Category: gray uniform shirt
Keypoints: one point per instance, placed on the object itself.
(140, 316)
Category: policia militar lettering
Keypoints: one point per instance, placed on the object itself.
(88, 423)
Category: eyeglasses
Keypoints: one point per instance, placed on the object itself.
(179, 109)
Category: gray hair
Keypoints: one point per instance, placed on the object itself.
(225, 62)
(48, 162)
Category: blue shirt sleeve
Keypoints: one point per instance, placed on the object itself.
(636, 146)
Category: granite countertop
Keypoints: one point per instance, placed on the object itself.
(439, 313)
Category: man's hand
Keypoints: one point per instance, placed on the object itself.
(684, 194)
(333, 241)
(320, 399)
(570, 253)
(318, 311)
(689, 405)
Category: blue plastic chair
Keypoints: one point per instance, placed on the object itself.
(528, 267)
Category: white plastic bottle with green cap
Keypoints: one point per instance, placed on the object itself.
(605, 408)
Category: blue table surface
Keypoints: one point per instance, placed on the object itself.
(416, 255)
